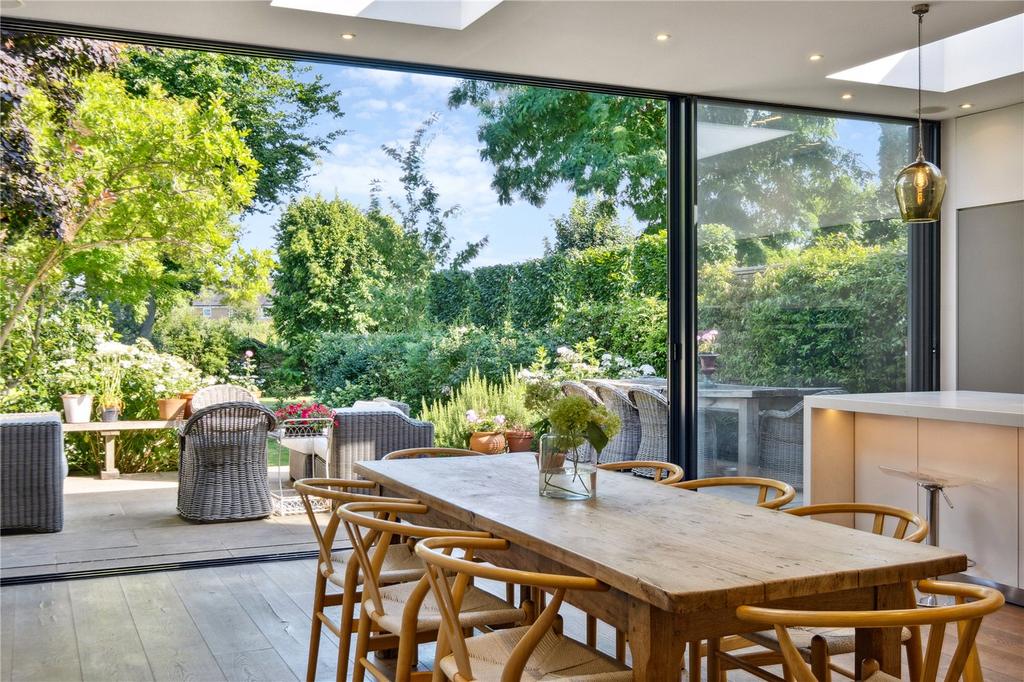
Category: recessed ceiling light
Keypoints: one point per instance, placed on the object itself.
(816, 57)
(348, 36)
(662, 37)
(965, 105)
(847, 95)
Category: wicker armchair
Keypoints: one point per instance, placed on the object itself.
(32, 472)
(221, 393)
(222, 473)
(626, 443)
(780, 444)
(653, 410)
(580, 390)
(362, 434)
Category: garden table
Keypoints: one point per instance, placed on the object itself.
(677, 563)
(110, 430)
(745, 400)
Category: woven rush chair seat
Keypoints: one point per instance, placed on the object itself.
(400, 565)
(837, 641)
(478, 608)
(555, 658)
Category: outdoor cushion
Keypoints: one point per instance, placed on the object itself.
(374, 406)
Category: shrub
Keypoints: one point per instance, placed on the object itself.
(505, 396)
(213, 346)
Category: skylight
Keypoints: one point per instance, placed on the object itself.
(982, 54)
(454, 14)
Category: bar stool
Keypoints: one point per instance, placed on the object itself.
(934, 483)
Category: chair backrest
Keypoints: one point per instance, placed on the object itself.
(782, 493)
(663, 472)
(903, 518)
(966, 614)
(580, 389)
(422, 453)
(436, 553)
(339, 491)
(371, 526)
(221, 393)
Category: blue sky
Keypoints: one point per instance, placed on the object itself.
(386, 107)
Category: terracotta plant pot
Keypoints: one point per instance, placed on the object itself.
(171, 408)
(77, 408)
(519, 441)
(487, 442)
(187, 396)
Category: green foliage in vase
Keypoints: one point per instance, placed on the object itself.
(575, 420)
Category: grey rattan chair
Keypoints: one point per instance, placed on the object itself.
(221, 393)
(32, 472)
(222, 474)
(361, 435)
(781, 443)
(626, 443)
(653, 410)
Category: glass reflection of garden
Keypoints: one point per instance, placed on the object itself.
(132, 167)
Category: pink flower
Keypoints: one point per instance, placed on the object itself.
(471, 416)
(249, 354)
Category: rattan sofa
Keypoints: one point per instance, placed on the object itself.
(222, 472)
(32, 472)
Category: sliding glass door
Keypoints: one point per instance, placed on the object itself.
(802, 276)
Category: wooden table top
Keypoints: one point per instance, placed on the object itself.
(123, 425)
(675, 549)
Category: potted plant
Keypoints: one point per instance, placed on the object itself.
(568, 456)
(486, 434)
(110, 371)
(77, 401)
(519, 438)
(304, 427)
(707, 353)
(169, 403)
(187, 397)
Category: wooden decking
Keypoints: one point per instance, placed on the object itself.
(247, 622)
(132, 521)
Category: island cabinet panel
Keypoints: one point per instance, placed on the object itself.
(829, 457)
(1020, 508)
(884, 441)
(984, 521)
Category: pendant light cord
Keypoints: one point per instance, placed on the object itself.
(920, 122)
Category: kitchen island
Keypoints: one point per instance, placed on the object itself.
(867, 448)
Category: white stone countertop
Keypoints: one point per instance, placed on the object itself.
(1001, 409)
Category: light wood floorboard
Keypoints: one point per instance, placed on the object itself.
(251, 622)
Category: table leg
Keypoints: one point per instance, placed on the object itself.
(655, 642)
(747, 436)
(883, 644)
(109, 470)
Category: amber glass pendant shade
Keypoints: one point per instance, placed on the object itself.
(920, 188)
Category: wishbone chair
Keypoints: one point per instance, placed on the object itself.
(664, 472)
(782, 492)
(424, 453)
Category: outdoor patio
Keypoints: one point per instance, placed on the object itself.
(132, 522)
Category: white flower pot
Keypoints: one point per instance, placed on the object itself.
(77, 408)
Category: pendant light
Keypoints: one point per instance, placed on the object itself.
(920, 186)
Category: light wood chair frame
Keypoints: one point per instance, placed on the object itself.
(338, 491)
(821, 663)
(665, 473)
(423, 453)
(966, 614)
(437, 555)
(381, 523)
(784, 493)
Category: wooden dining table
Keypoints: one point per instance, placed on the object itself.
(677, 562)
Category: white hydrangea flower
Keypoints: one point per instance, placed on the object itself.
(647, 370)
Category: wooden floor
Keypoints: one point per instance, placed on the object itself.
(133, 521)
(247, 622)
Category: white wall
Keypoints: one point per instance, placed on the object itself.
(983, 161)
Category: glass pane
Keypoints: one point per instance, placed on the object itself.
(802, 277)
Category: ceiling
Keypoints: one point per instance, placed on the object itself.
(744, 50)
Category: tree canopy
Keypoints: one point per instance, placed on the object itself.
(150, 179)
(273, 102)
(587, 225)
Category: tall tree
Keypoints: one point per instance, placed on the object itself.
(150, 179)
(32, 199)
(587, 225)
(276, 103)
(419, 211)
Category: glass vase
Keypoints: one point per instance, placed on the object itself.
(568, 468)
